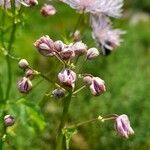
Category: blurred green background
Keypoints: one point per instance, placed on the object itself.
(126, 73)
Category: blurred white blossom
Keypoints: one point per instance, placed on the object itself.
(106, 37)
(111, 8)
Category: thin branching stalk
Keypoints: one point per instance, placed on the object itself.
(64, 116)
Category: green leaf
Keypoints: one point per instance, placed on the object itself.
(69, 132)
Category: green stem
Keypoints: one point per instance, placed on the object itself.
(80, 89)
(67, 100)
(12, 37)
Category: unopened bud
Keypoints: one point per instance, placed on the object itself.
(9, 120)
(29, 73)
(92, 53)
(23, 64)
(31, 2)
(45, 46)
(67, 77)
(98, 86)
(67, 53)
(87, 80)
(48, 10)
(24, 85)
(59, 46)
(123, 127)
(58, 93)
(76, 36)
(79, 48)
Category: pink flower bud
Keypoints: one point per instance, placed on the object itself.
(77, 36)
(92, 53)
(9, 120)
(24, 85)
(48, 10)
(29, 73)
(98, 86)
(123, 127)
(30, 2)
(87, 79)
(79, 48)
(67, 77)
(45, 46)
(67, 53)
(23, 64)
(33, 2)
(59, 46)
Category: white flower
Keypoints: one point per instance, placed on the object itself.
(105, 36)
(111, 8)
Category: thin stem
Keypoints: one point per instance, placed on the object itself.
(80, 89)
(12, 37)
(3, 24)
(47, 79)
(64, 116)
(78, 23)
(81, 65)
(85, 122)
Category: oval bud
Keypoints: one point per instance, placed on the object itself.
(98, 86)
(79, 48)
(87, 80)
(23, 64)
(58, 93)
(48, 10)
(24, 85)
(123, 127)
(9, 120)
(92, 53)
(59, 46)
(67, 77)
(45, 46)
(29, 73)
(67, 53)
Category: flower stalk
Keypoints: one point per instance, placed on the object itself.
(67, 100)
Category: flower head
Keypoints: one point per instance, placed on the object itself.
(58, 93)
(111, 8)
(79, 48)
(97, 86)
(45, 46)
(9, 120)
(123, 127)
(24, 85)
(105, 36)
(92, 53)
(48, 10)
(67, 77)
(23, 64)
(29, 2)
(59, 46)
(67, 53)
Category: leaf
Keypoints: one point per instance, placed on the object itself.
(69, 132)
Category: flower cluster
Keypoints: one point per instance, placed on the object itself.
(100, 10)
(66, 53)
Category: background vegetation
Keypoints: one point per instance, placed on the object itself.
(126, 73)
